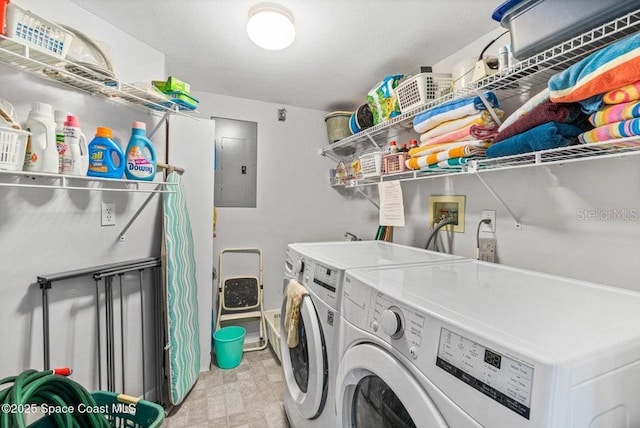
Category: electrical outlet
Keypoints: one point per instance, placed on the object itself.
(488, 227)
(487, 250)
(108, 215)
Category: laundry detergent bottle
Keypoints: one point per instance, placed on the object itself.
(42, 153)
(76, 157)
(141, 155)
(106, 158)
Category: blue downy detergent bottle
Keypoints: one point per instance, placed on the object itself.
(101, 151)
(141, 156)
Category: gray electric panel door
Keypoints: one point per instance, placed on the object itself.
(236, 162)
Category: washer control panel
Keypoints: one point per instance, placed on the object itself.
(402, 326)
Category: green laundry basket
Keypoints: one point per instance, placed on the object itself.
(227, 344)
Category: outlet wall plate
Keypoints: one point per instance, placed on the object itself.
(491, 215)
(107, 214)
(442, 204)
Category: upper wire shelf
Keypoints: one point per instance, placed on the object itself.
(44, 65)
(521, 78)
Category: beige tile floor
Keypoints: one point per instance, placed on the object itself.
(248, 396)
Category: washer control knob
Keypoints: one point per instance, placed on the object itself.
(413, 351)
(391, 322)
(375, 326)
(298, 266)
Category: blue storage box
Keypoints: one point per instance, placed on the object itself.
(537, 25)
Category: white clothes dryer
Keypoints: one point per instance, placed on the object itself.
(474, 344)
(310, 368)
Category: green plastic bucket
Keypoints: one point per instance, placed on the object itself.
(227, 344)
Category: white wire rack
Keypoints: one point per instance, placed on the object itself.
(53, 68)
(521, 78)
(608, 149)
(41, 180)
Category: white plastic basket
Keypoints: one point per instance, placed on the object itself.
(371, 164)
(30, 29)
(272, 318)
(421, 88)
(13, 145)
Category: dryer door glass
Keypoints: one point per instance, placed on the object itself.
(376, 405)
(300, 358)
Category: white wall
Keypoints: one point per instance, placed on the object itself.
(580, 220)
(294, 199)
(48, 231)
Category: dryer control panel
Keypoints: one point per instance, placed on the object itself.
(497, 376)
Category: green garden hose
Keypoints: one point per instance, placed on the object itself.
(65, 402)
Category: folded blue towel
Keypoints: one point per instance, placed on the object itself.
(452, 110)
(546, 136)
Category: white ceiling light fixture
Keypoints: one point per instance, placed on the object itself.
(270, 26)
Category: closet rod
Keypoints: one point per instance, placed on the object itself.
(170, 168)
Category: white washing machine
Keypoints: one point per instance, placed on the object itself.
(473, 344)
(310, 368)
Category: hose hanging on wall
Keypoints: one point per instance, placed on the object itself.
(436, 229)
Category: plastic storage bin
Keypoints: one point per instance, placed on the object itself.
(371, 164)
(421, 88)
(13, 143)
(395, 163)
(144, 414)
(30, 29)
(536, 25)
(228, 343)
(272, 318)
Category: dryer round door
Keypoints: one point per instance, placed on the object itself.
(305, 365)
(375, 390)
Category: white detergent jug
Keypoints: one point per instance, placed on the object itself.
(76, 157)
(42, 153)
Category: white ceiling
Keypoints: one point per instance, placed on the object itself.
(342, 48)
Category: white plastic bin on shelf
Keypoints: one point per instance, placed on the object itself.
(371, 164)
(272, 318)
(31, 30)
(13, 144)
(416, 91)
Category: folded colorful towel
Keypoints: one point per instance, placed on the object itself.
(542, 113)
(452, 110)
(450, 163)
(609, 68)
(611, 131)
(616, 113)
(482, 118)
(476, 148)
(525, 108)
(624, 94)
(295, 294)
(546, 136)
(470, 132)
(435, 148)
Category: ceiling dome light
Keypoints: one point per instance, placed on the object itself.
(270, 26)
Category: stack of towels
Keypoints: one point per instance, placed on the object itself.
(607, 86)
(619, 116)
(454, 132)
(538, 125)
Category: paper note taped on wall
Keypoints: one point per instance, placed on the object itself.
(391, 205)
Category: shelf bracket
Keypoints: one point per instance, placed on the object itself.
(368, 198)
(372, 140)
(161, 122)
(137, 213)
(497, 197)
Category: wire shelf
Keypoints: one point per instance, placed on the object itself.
(82, 78)
(523, 76)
